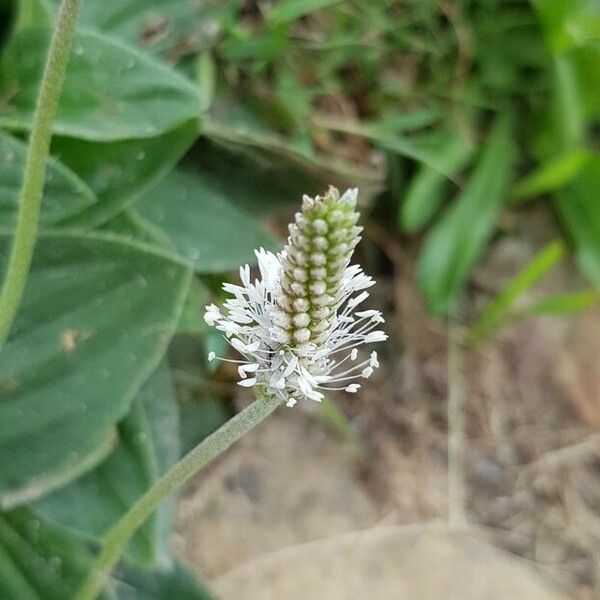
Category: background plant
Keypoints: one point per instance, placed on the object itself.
(180, 125)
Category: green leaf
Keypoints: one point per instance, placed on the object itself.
(579, 208)
(568, 23)
(127, 224)
(261, 180)
(64, 193)
(148, 445)
(261, 168)
(568, 107)
(389, 123)
(385, 134)
(201, 224)
(457, 240)
(587, 64)
(497, 310)
(119, 172)
(34, 13)
(39, 561)
(286, 11)
(97, 316)
(560, 304)
(173, 27)
(425, 193)
(552, 175)
(111, 92)
(166, 583)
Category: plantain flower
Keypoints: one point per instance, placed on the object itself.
(298, 328)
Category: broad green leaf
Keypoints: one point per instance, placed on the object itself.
(39, 561)
(200, 222)
(129, 225)
(286, 11)
(148, 444)
(171, 27)
(170, 582)
(425, 193)
(34, 13)
(498, 309)
(111, 92)
(579, 208)
(97, 315)
(457, 240)
(64, 193)
(551, 175)
(119, 172)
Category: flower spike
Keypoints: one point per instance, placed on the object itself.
(296, 327)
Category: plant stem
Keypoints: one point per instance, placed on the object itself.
(116, 539)
(30, 197)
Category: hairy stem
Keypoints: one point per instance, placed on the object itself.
(116, 539)
(30, 197)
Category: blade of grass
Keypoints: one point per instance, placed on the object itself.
(496, 311)
(561, 304)
(425, 193)
(579, 209)
(551, 175)
(418, 149)
(457, 240)
(290, 10)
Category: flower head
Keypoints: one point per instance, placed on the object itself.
(297, 328)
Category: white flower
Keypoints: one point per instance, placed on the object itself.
(296, 328)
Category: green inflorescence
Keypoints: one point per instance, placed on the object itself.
(320, 245)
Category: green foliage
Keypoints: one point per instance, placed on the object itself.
(148, 443)
(458, 239)
(180, 125)
(112, 92)
(120, 172)
(497, 310)
(192, 213)
(578, 206)
(65, 194)
(97, 316)
(424, 195)
(560, 304)
(164, 583)
(158, 26)
(290, 10)
(553, 175)
(39, 561)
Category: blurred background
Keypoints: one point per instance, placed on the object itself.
(468, 466)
